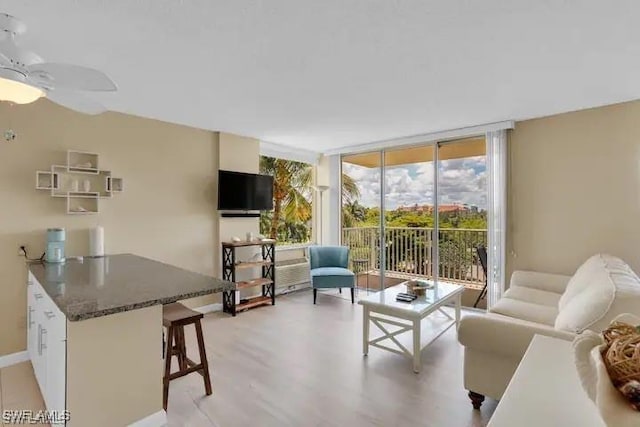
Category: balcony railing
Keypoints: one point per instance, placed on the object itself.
(409, 252)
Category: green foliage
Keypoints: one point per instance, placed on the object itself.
(405, 248)
(370, 217)
(453, 257)
(290, 220)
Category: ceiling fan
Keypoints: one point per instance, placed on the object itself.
(25, 77)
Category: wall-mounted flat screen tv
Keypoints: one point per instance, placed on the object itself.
(238, 191)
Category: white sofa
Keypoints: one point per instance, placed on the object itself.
(546, 304)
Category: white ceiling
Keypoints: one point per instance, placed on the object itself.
(323, 74)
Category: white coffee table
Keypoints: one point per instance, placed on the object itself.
(384, 303)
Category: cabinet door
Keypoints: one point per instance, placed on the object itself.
(37, 316)
(56, 357)
(32, 329)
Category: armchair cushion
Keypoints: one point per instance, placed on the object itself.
(332, 277)
(524, 310)
(328, 256)
(591, 272)
(331, 271)
(556, 283)
(605, 287)
(533, 295)
(506, 336)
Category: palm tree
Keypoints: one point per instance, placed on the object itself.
(292, 191)
(350, 190)
(352, 213)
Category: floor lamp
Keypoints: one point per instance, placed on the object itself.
(320, 189)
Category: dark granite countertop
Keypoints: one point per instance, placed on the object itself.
(97, 287)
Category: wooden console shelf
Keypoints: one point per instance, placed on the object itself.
(253, 282)
(249, 264)
(231, 302)
(253, 302)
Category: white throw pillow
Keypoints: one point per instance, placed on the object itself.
(581, 279)
(605, 288)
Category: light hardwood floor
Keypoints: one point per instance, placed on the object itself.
(297, 364)
(19, 389)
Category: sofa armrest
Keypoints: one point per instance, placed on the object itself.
(556, 283)
(493, 333)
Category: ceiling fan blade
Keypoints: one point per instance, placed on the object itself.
(71, 77)
(16, 55)
(4, 60)
(75, 101)
(11, 25)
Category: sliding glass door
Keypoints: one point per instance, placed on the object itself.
(462, 216)
(409, 200)
(362, 221)
(417, 211)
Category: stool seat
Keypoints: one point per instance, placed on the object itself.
(177, 313)
(175, 317)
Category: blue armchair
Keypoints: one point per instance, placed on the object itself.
(329, 269)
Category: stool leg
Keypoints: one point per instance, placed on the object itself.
(203, 358)
(167, 368)
(181, 347)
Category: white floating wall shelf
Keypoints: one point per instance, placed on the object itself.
(81, 182)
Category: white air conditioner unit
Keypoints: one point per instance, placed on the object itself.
(292, 272)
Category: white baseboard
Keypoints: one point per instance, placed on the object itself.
(210, 308)
(158, 419)
(13, 358)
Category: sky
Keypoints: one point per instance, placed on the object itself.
(461, 181)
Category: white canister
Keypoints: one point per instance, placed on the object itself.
(75, 186)
(96, 241)
(86, 186)
(249, 236)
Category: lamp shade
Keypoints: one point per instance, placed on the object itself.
(13, 89)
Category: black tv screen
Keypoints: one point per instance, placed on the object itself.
(239, 191)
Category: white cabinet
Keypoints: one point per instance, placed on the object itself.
(32, 335)
(47, 345)
(36, 298)
(54, 346)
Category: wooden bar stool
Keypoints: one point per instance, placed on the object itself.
(174, 317)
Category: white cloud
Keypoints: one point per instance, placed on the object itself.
(460, 181)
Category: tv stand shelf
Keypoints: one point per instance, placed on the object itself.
(231, 302)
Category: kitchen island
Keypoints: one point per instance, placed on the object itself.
(95, 335)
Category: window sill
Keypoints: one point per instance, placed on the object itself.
(293, 247)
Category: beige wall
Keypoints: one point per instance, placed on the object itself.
(167, 211)
(575, 189)
(240, 154)
(115, 378)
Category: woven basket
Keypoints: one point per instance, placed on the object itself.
(618, 329)
(622, 359)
